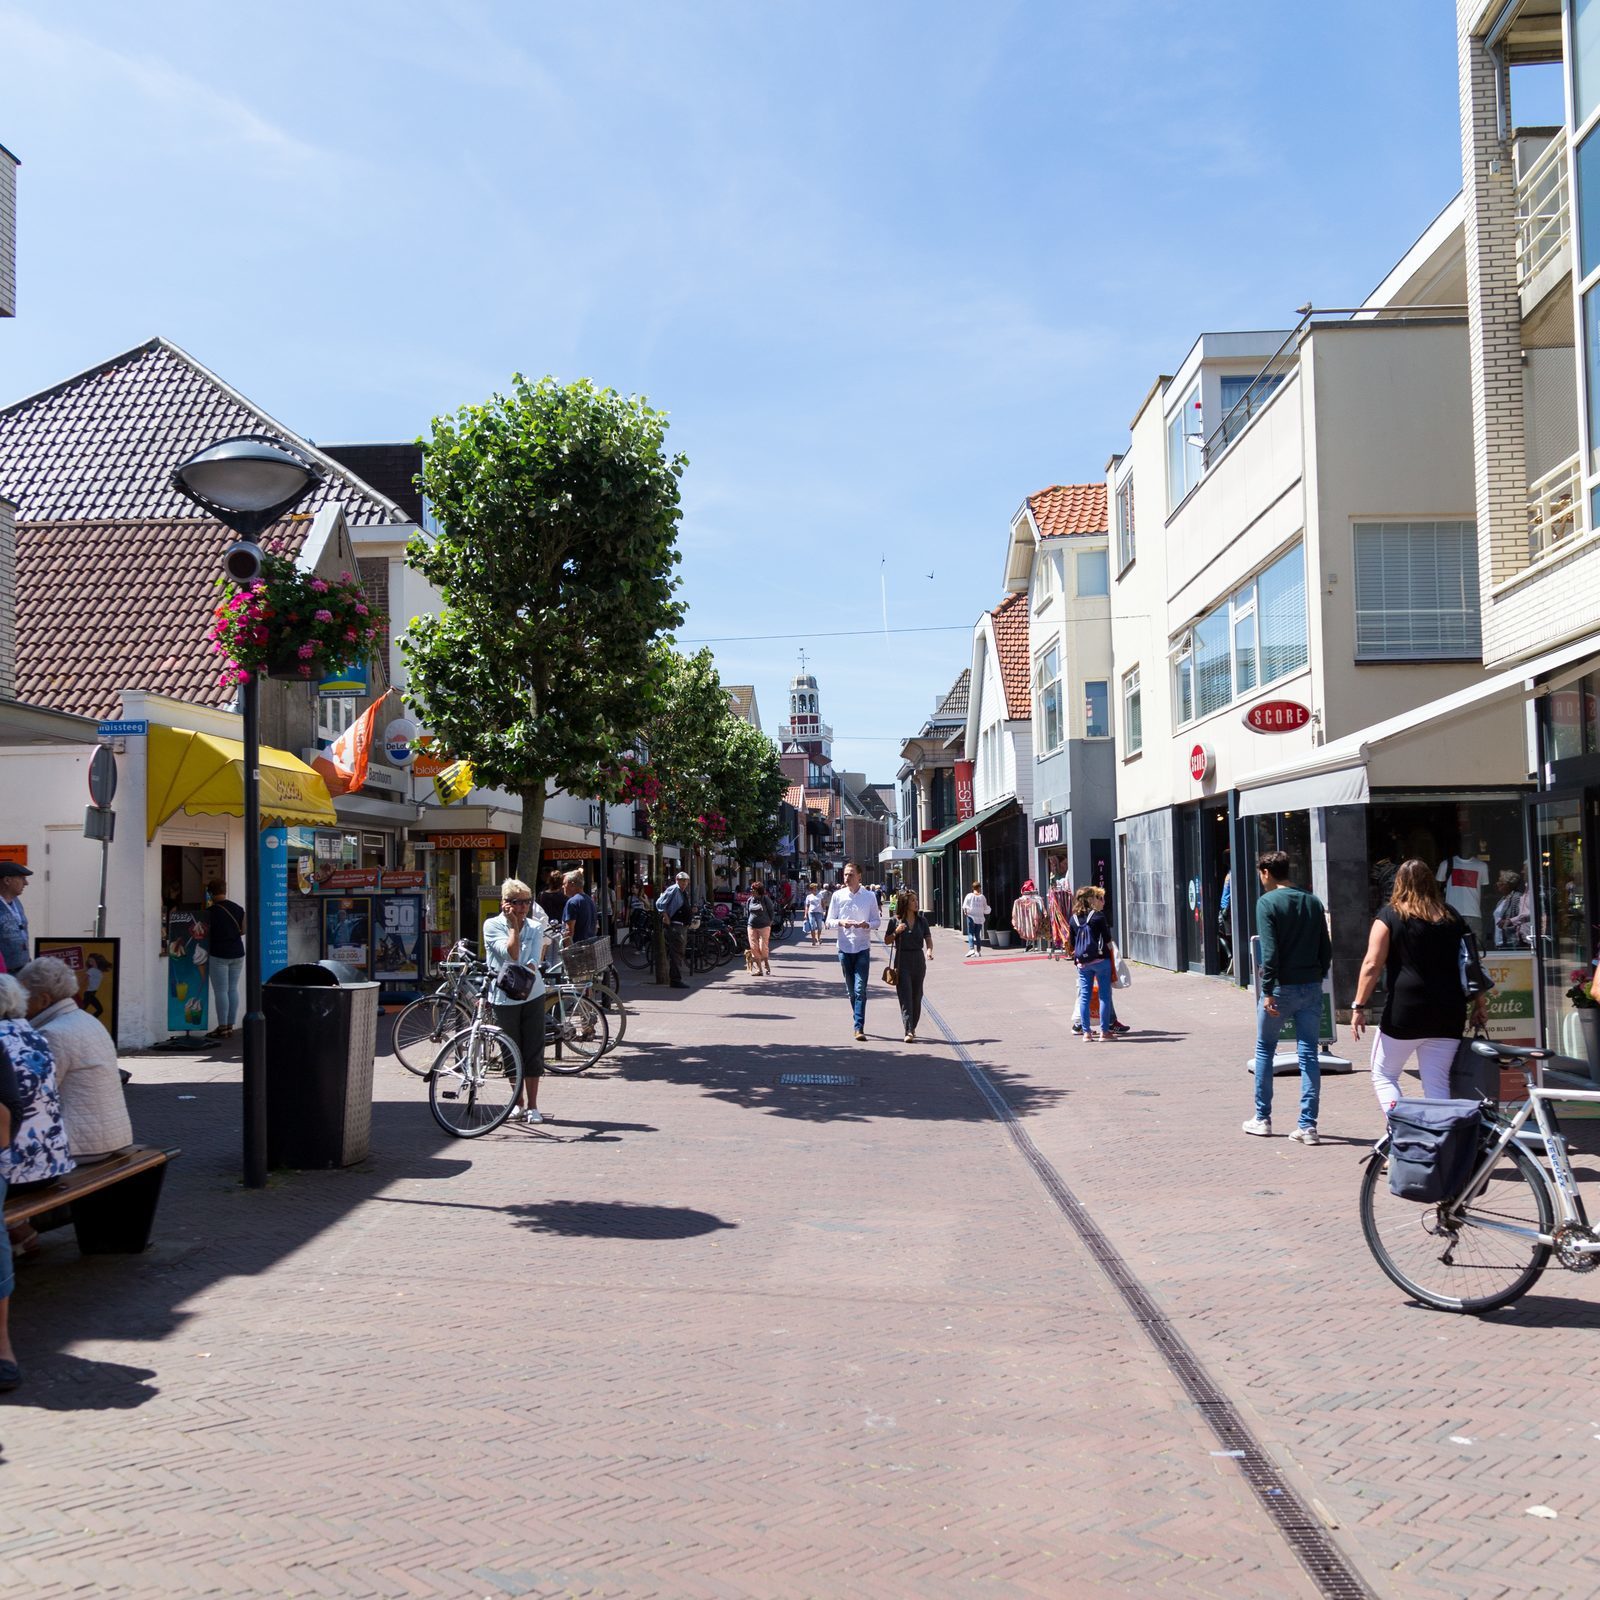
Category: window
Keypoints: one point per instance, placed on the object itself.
(1252, 388)
(1047, 579)
(1183, 458)
(1253, 638)
(1417, 591)
(1047, 699)
(1097, 709)
(1587, 193)
(334, 716)
(1132, 716)
(1094, 575)
(1585, 25)
(1125, 523)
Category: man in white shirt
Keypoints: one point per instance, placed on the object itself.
(853, 913)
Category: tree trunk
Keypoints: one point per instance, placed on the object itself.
(532, 834)
(661, 929)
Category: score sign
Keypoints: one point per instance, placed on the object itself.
(1276, 716)
(1201, 762)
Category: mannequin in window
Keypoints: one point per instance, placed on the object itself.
(1465, 878)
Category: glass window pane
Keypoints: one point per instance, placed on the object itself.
(1585, 58)
(1417, 591)
(1097, 709)
(1591, 368)
(1281, 616)
(1213, 668)
(1183, 687)
(1094, 576)
(1588, 203)
(1132, 717)
(1591, 714)
(1183, 458)
(1244, 652)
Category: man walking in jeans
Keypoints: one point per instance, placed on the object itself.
(1295, 954)
(853, 912)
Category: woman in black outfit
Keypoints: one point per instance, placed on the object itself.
(910, 937)
(1416, 942)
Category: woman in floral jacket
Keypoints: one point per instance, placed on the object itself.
(38, 1150)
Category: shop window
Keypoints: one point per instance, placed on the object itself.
(1132, 713)
(1097, 709)
(1417, 591)
(1569, 720)
(1047, 699)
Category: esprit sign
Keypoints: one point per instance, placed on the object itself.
(1201, 762)
(1276, 716)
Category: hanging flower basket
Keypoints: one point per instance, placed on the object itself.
(292, 624)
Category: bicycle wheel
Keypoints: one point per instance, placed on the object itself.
(1459, 1258)
(638, 949)
(475, 1081)
(724, 947)
(609, 1001)
(582, 1029)
(423, 1026)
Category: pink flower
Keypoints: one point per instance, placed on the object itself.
(305, 672)
(344, 577)
(361, 610)
(351, 635)
(242, 675)
(306, 651)
(319, 585)
(323, 616)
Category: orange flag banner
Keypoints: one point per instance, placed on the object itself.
(344, 767)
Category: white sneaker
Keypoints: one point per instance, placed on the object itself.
(533, 1114)
(1306, 1135)
(1261, 1126)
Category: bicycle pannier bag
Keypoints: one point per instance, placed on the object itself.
(517, 982)
(1432, 1144)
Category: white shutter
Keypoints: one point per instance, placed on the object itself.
(1417, 591)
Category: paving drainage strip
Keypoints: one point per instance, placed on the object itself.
(1323, 1561)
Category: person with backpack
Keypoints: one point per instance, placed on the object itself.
(673, 905)
(1295, 955)
(1416, 941)
(1094, 952)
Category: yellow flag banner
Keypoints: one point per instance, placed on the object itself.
(454, 783)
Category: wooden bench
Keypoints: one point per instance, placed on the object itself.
(111, 1204)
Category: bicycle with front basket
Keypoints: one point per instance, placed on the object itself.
(1488, 1244)
(476, 1078)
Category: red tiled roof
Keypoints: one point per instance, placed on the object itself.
(1011, 635)
(103, 444)
(104, 606)
(795, 795)
(1068, 508)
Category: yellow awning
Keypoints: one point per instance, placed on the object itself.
(204, 775)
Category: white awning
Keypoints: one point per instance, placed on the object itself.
(1345, 786)
(892, 854)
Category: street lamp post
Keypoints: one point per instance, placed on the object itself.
(247, 483)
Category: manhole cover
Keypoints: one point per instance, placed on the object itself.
(818, 1080)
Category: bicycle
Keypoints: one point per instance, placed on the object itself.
(637, 946)
(423, 1025)
(573, 973)
(1487, 1245)
(476, 1078)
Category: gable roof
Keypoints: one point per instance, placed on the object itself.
(1069, 508)
(1011, 639)
(106, 605)
(102, 445)
(954, 704)
(742, 701)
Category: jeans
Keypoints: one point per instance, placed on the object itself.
(225, 987)
(1301, 1002)
(1088, 973)
(857, 965)
(974, 933)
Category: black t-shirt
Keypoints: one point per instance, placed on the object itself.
(227, 930)
(1424, 978)
(759, 911)
(553, 902)
(910, 938)
(579, 910)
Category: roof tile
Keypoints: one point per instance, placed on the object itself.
(1069, 508)
(1011, 635)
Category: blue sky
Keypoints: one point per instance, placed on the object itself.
(889, 266)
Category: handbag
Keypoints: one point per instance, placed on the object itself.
(1124, 977)
(1472, 1074)
(516, 981)
(891, 975)
(1474, 980)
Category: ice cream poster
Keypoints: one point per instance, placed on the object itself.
(186, 969)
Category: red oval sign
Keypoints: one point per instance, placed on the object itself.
(1200, 763)
(1277, 716)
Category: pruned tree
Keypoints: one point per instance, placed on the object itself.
(558, 509)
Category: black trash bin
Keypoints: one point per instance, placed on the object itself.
(322, 1035)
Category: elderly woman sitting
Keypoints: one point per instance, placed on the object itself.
(38, 1152)
(87, 1078)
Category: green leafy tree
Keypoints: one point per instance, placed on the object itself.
(558, 507)
(747, 786)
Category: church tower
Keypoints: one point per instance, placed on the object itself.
(805, 729)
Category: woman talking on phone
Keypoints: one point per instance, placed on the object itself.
(516, 937)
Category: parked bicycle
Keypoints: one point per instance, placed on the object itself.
(582, 1012)
(423, 1025)
(476, 1077)
(1489, 1241)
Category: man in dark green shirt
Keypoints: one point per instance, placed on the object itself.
(1295, 955)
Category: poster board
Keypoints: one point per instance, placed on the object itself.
(187, 956)
(97, 965)
(397, 942)
(347, 931)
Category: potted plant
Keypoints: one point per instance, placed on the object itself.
(1580, 1029)
(291, 624)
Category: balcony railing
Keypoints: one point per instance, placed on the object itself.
(1544, 211)
(1553, 507)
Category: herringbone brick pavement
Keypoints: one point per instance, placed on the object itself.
(1428, 1437)
(702, 1335)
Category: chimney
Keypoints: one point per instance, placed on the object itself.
(8, 233)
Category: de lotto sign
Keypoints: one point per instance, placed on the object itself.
(1276, 716)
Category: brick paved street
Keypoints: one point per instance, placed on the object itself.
(710, 1335)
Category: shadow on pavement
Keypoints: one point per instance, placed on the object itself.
(614, 1219)
(208, 1228)
(1546, 1310)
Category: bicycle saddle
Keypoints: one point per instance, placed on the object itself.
(1508, 1052)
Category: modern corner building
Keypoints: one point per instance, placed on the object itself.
(1532, 258)
(1294, 602)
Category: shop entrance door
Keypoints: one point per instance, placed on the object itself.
(1564, 918)
(1191, 889)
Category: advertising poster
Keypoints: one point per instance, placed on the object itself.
(186, 969)
(347, 931)
(399, 942)
(96, 963)
(1511, 1015)
(274, 911)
